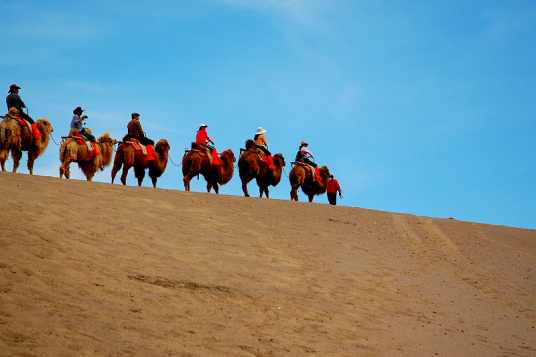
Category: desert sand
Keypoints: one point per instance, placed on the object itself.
(94, 269)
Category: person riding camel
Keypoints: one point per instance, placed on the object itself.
(13, 101)
(261, 144)
(304, 154)
(135, 131)
(76, 123)
(201, 138)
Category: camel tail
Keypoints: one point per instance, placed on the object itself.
(119, 157)
(5, 135)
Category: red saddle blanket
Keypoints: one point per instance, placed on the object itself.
(201, 150)
(305, 166)
(136, 144)
(80, 140)
(264, 158)
(146, 150)
(21, 121)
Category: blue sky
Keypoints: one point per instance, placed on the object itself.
(415, 106)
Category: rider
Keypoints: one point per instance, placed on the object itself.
(201, 138)
(13, 101)
(76, 123)
(304, 154)
(136, 132)
(260, 142)
(333, 187)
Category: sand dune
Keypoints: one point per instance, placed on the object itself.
(93, 269)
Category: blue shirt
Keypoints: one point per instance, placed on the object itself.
(75, 124)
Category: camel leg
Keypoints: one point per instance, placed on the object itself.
(267, 192)
(32, 155)
(186, 181)
(294, 192)
(124, 174)
(116, 168)
(245, 186)
(3, 158)
(64, 169)
(139, 172)
(216, 188)
(311, 196)
(16, 155)
(209, 186)
(89, 177)
(153, 179)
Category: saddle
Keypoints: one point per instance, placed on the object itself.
(137, 145)
(21, 121)
(259, 152)
(308, 168)
(200, 150)
(91, 147)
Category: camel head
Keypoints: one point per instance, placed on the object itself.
(229, 153)
(281, 159)
(324, 171)
(44, 126)
(163, 145)
(105, 138)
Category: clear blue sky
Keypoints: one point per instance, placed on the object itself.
(415, 106)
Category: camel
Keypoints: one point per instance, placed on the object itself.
(194, 164)
(17, 139)
(300, 177)
(127, 156)
(250, 166)
(71, 151)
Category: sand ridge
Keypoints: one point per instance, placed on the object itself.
(94, 269)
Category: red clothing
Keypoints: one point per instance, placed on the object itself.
(333, 186)
(202, 137)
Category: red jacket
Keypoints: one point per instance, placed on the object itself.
(333, 186)
(201, 137)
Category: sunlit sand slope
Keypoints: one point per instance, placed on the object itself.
(93, 269)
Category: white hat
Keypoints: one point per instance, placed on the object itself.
(203, 125)
(260, 130)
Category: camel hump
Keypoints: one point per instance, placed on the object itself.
(250, 144)
(73, 132)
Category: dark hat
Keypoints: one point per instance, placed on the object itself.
(134, 115)
(13, 87)
(78, 109)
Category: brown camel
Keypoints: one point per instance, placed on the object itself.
(194, 164)
(300, 177)
(127, 156)
(71, 151)
(17, 139)
(250, 166)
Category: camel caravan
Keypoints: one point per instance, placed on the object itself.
(19, 132)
